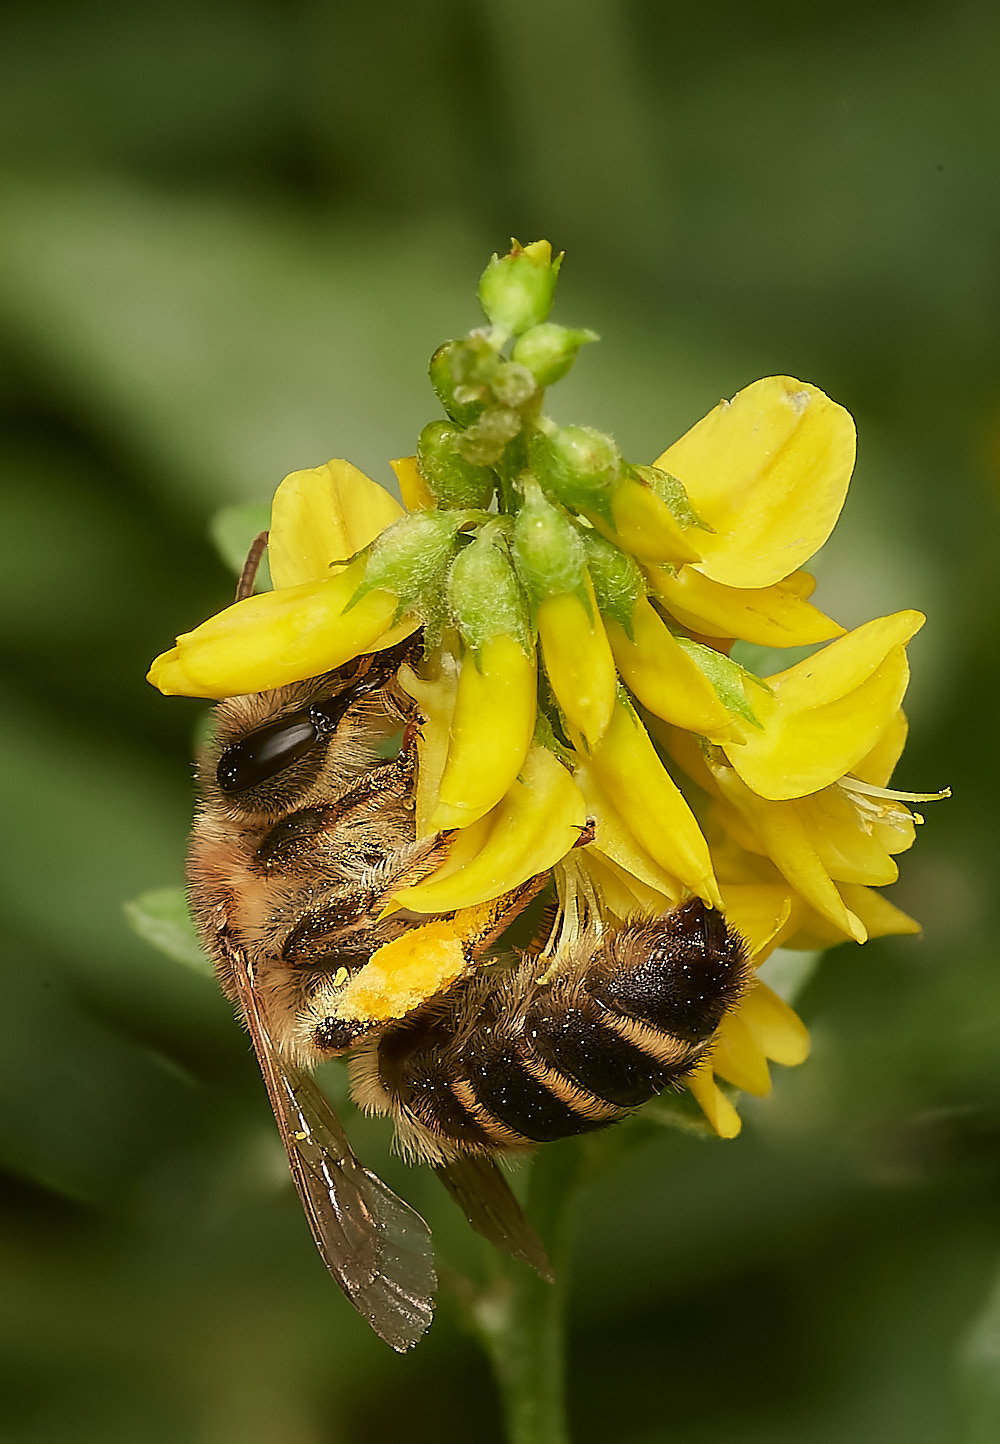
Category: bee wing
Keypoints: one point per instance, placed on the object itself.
(483, 1194)
(375, 1246)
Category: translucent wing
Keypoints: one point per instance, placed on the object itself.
(483, 1194)
(374, 1245)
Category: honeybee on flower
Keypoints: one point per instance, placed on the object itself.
(574, 712)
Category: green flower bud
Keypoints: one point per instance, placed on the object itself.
(516, 290)
(548, 551)
(461, 372)
(453, 481)
(618, 582)
(578, 465)
(484, 594)
(548, 351)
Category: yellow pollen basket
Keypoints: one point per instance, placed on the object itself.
(402, 974)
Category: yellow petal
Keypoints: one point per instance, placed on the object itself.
(768, 472)
(491, 732)
(615, 842)
(322, 515)
(279, 637)
(880, 763)
(413, 489)
(685, 749)
(645, 526)
(578, 661)
(650, 804)
(713, 1102)
(538, 822)
(785, 839)
(737, 1057)
(880, 917)
(663, 677)
(773, 616)
(776, 1028)
(434, 690)
(762, 915)
(845, 840)
(827, 713)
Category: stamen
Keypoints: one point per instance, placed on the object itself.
(579, 912)
(888, 794)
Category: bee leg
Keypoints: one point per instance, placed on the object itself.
(496, 916)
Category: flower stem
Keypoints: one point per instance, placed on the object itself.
(523, 1324)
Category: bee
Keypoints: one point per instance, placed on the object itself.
(304, 830)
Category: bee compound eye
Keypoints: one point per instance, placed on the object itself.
(262, 754)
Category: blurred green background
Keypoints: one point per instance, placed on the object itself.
(232, 233)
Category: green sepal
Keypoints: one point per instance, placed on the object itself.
(516, 291)
(670, 490)
(548, 351)
(729, 680)
(485, 597)
(548, 550)
(411, 558)
(618, 581)
(545, 737)
(453, 481)
(578, 465)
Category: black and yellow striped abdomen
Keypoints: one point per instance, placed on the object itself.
(504, 1061)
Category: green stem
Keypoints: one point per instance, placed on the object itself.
(523, 1323)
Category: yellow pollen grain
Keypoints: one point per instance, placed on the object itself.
(402, 974)
(340, 977)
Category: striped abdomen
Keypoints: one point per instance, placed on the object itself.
(504, 1061)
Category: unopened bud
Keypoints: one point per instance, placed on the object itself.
(548, 351)
(548, 551)
(453, 481)
(577, 464)
(516, 290)
(484, 594)
(461, 372)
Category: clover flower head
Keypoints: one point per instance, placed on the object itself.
(579, 612)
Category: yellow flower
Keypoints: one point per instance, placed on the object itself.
(766, 797)
(821, 717)
(319, 519)
(767, 473)
(830, 847)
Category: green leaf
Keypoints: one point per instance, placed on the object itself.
(162, 918)
(233, 529)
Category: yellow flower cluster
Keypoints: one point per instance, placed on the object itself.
(578, 667)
